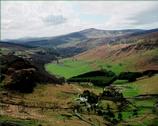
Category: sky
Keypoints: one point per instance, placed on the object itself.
(22, 19)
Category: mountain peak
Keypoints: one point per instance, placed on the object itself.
(91, 30)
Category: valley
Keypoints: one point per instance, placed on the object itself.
(91, 77)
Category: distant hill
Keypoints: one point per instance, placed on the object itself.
(78, 42)
(137, 52)
(14, 45)
(141, 35)
(80, 35)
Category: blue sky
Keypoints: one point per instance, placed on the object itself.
(50, 18)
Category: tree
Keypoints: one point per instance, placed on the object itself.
(135, 112)
(109, 112)
(120, 116)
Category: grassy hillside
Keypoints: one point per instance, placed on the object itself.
(117, 58)
(47, 105)
(50, 104)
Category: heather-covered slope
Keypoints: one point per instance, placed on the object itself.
(138, 54)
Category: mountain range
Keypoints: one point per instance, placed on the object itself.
(77, 42)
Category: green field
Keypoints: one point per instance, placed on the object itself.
(68, 68)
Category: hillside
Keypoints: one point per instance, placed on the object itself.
(50, 104)
(90, 95)
(22, 75)
(15, 46)
(139, 53)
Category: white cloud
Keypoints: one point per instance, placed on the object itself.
(122, 14)
(50, 18)
(54, 20)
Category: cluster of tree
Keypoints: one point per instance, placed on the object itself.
(102, 72)
(132, 76)
(150, 72)
(91, 102)
(99, 77)
(111, 92)
(90, 96)
(105, 78)
(103, 82)
(110, 116)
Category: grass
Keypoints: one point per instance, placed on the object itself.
(135, 62)
(19, 122)
(143, 86)
(62, 96)
(115, 67)
(146, 85)
(130, 92)
(120, 82)
(146, 102)
(68, 68)
(153, 122)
